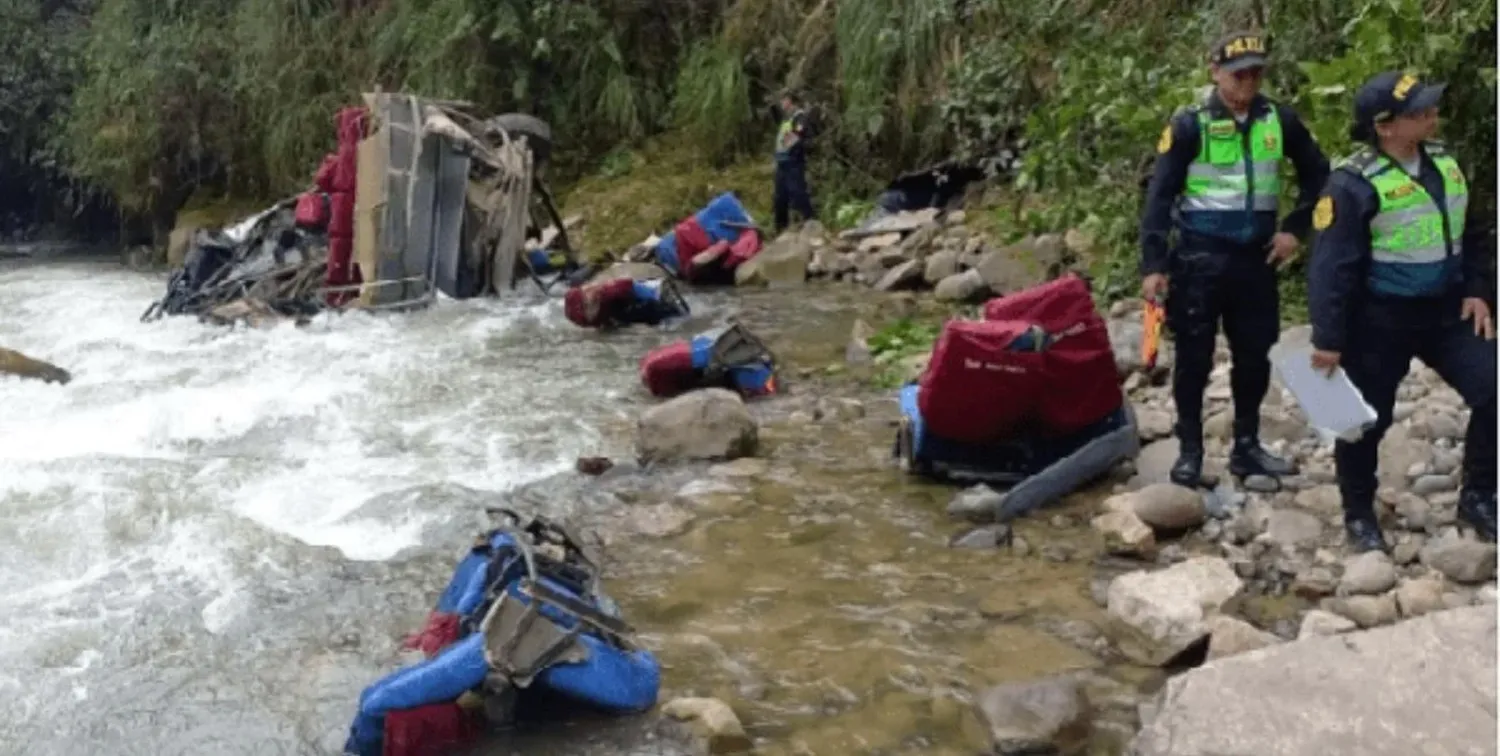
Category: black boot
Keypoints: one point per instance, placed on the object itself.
(1363, 533)
(1477, 508)
(1188, 469)
(1248, 458)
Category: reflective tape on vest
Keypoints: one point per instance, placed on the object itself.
(1223, 178)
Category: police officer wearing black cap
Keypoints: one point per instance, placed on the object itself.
(1217, 183)
(1397, 272)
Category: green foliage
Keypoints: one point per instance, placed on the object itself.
(897, 341)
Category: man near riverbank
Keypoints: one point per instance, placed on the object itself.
(1398, 272)
(791, 191)
(1216, 182)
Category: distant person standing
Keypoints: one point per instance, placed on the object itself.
(1398, 271)
(791, 191)
(1216, 182)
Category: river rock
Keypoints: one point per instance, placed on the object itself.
(1125, 534)
(983, 537)
(1153, 423)
(940, 265)
(748, 467)
(1228, 636)
(783, 262)
(1426, 686)
(1371, 572)
(662, 520)
(977, 504)
(1166, 506)
(878, 242)
(1168, 608)
(1014, 268)
(907, 275)
(1366, 611)
(1323, 501)
(967, 286)
(1043, 716)
(1290, 528)
(21, 366)
(1461, 559)
(704, 424)
(712, 722)
(1319, 622)
(1419, 596)
(1427, 485)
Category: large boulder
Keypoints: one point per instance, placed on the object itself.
(1426, 685)
(783, 262)
(17, 364)
(1165, 613)
(705, 424)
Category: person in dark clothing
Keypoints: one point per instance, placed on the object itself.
(1216, 183)
(791, 191)
(1398, 272)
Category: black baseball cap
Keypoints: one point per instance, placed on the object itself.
(1388, 95)
(1240, 50)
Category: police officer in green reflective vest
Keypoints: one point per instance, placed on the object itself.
(1398, 271)
(791, 192)
(1217, 184)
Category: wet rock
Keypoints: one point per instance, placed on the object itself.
(783, 262)
(593, 465)
(1366, 611)
(1319, 622)
(1290, 528)
(1125, 535)
(1461, 559)
(968, 286)
(21, 366)
(907, 275)
(1423, 686)
(1228, 636)
(712, 722)
(984, 537)
(1168, 507)
(1044, 716)
(1368, 573)
(838, 409)
(1167, 609)
(978, 504)
(628, 270)
(705, 424)
(657, 520)
(1419, 596)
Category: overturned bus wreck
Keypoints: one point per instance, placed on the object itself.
(420, 198)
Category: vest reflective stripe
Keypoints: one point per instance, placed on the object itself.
(1222, 178)
(1415, 243)
(782, 147)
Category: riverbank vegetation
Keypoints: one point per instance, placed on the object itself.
(162, 104)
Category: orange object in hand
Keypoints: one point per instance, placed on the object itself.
(1155, 318)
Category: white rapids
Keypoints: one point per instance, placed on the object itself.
(183, 524)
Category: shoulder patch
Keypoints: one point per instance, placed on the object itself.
(1323, 213)
(1165, 142)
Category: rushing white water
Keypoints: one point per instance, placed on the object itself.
(192, 529)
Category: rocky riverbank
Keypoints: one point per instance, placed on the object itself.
(1176, 578)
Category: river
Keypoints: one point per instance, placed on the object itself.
(213, 539)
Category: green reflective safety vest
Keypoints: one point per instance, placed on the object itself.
(1416, 242)
(783, 150)
(1233, 171)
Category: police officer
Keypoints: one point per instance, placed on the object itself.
(791, 192)
(1216, 182)
(1397, 273)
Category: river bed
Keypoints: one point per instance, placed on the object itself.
(216, 538)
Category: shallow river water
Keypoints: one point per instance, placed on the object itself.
(213, 539)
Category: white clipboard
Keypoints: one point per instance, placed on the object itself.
(1334, 407)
